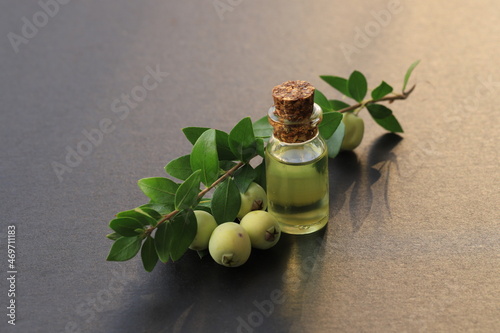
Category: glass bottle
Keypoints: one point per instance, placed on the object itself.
(297, 161)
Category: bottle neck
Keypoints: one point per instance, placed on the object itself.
(295, 131)
(298, 152)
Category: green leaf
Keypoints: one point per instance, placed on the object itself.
(338, 83)
(262, 128)
(379, 111)
(148, 254)
(244, 176)
(223, 150)
(142, 217)
(140, 231)
(182, 230)
(204, 208)
(242, 140)
(357, 86)
(205, 205)
(260, 147)
(161, 242)
(173, 237)
(113, 236)
(193, 133)
(226, 201)
(187, 193)
(335, 141)
(322, 101)
(204, 157)
(390, 123)
(338, 105)
(180, 168)
(124, 248)
(125, 226)
(159, 207)
(260, 170)
(329, 124)
(159, 189)
(382, 90)
(408, 73)
(150, 212)
(205, 202)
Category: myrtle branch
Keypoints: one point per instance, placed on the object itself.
(391, 99)
(200, 195)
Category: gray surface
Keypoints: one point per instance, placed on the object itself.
(414, 250)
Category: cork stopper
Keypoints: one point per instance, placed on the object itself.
(294, 100)
(294, 116)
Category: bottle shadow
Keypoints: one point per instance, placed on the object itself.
(348, 172)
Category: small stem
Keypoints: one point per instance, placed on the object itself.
(404, 95)
(200, 195)
(221, 179)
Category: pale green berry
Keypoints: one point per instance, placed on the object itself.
(206, 225)
(254, 198)
(230, 245)
(263, 229)
(354, 130)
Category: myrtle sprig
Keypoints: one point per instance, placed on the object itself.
(356, 87)
(163, 228)
(166, 226)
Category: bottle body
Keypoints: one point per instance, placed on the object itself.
(298, 184)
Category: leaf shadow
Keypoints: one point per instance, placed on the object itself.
(382, 158)
(348, 172)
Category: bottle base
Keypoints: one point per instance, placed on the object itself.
(303, 229)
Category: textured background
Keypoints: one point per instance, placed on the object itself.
(413, 240)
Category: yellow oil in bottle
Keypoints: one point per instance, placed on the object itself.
(298, 192)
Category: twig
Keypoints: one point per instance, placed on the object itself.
(404, 95)
(200, 195)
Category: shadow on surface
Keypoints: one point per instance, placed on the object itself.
(265, 293)
(346, 172)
